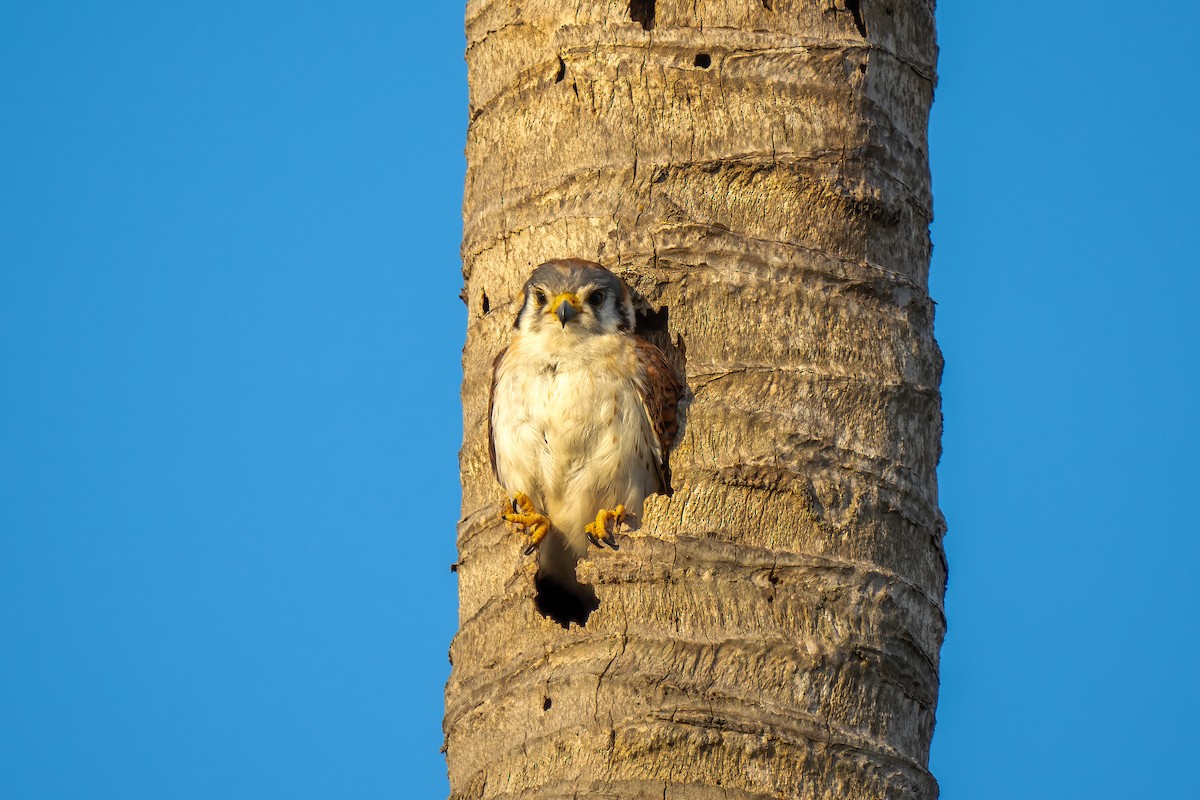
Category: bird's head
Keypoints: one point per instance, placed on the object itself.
(575, 297)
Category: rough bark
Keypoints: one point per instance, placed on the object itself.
(757, 171)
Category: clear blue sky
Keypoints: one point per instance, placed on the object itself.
(229, 343)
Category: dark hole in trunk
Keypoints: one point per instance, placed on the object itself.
(642, 11)
(853, 7)
(565, 605)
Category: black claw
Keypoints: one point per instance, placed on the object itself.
(593, 539)
(516, 509)
(610, 540)
(529, 550)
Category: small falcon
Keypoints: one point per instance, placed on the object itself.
(582, 415)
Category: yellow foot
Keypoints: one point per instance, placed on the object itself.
(526, 519)
(598, 531)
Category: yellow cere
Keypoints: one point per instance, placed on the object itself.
(570, 297)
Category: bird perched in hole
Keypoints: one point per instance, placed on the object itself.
(582, 415)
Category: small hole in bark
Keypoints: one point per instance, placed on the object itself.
(888, 11)
(546, 704)
(863, 68)
(773, 578)
(485, 304)
(769, 5)
(702, 60)
(771, 599)
(642, 11)
(562, 604)
(853, 7)
(562, 71)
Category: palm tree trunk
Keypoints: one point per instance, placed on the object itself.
(757, 171)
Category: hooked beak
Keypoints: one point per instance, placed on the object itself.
(566, 310)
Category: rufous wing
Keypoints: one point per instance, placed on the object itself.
(661, 390)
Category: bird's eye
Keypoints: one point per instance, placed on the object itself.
(539, 297)
(596, 299)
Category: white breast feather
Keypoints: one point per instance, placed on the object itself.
(570, 430)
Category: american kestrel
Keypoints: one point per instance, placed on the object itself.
(582, 415)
